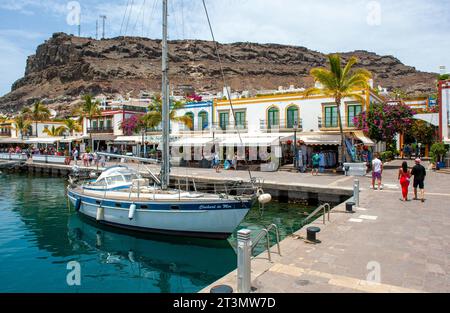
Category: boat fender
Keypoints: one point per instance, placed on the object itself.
(100, 213)
(78, 204)
(132, 211)
(265, 198)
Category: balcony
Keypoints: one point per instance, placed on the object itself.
(100, 130)
(217, 127)
(5, 133)
(281, 125)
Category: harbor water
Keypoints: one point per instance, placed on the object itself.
(41, 239)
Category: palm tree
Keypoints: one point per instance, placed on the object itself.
(154, 117)
(340, 83)
(21, 124)
(37, 112)
(90, 109)
(55, 131)
(72, 126)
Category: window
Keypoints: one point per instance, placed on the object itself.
(94, 124)
(353, 111)
(273, 118)
(109, 124)
(239, 119)
(331, 117)
(102, 124)
(190, 115)
(224, 119)
(203, 120)
(292, 116)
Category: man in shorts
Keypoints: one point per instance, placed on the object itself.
(419, 172)
(377, 171)
(315, 164)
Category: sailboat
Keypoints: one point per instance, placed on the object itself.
(121, 198)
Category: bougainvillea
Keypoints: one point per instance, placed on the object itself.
(129, 125)
(382, 122)
(194, 98)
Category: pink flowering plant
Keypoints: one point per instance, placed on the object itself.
(194, 98)
(130, 125)
(382, 122)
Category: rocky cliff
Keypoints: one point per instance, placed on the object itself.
(66, 66)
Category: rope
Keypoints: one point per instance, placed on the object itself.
(216, 47)
(129, 16)
(124, 16)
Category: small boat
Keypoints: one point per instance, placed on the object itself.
(120, 197)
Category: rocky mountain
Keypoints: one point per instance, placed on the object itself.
(64, 67)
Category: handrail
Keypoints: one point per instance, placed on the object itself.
(152, 175)
(265, 232)
(320, 208)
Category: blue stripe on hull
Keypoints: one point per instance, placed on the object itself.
(158, 206)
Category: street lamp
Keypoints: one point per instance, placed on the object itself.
(295, 145)
(144, 132)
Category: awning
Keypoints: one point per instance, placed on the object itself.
(51, 140)
(10, 140)
(249, 141)
(365, 140)
(194, 141)
(128, 139)
(104, 137)
(71, 139)
(316, 139)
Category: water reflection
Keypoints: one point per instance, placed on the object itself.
(164, 260)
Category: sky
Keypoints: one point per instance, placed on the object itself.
(417, 32)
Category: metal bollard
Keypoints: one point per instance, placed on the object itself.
(244, 248)
(356, 192)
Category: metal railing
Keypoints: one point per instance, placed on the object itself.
(287, 125)
(323, 208)
(100, 130)
(265, 233)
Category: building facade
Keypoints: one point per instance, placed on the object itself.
(444, 111)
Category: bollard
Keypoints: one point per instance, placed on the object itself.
(221, 289)
(244, 248)
(349, 207)
(356, 192)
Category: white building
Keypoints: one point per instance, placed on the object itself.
(444, 112)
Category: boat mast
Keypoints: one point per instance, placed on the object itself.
(165, 166)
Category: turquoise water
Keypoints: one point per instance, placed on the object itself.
(39, 236)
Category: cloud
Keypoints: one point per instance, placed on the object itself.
(415, 31)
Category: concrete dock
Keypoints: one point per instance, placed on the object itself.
(385, 246)
(283, 186)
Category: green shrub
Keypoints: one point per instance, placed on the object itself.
(438, 151)
(387, 156)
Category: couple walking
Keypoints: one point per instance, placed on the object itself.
(419, 173)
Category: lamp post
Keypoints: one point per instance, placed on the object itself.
(295, 145)
(143, 132)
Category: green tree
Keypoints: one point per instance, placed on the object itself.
(89, 109)
(422, 132)
(55, 131)
(37, 112)
(22, 124)
(340, 82)
(154, 117)
(72, 126)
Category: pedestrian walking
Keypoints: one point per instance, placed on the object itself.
(315, 164)
(404, 176)
(419, 172)
(377, 171)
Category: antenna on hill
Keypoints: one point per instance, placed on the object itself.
(103, 17)
(96, 29)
